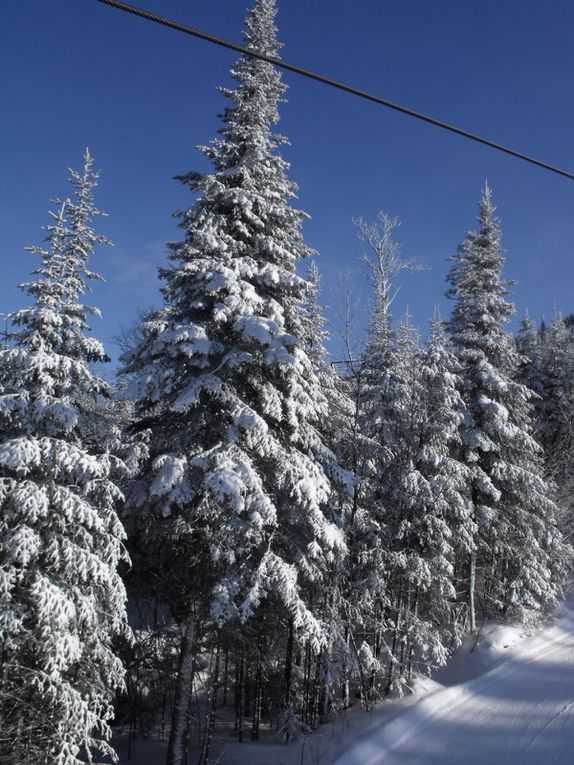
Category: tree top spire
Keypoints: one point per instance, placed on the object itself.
(260, 32)
(487, 208)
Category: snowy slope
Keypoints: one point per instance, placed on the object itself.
(520, 712)
(510, 701)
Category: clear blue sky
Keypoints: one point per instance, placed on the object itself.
(76, 73)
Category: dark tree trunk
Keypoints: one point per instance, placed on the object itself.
(289, 664)
(225, 676)
(239, 710)
(257, 695)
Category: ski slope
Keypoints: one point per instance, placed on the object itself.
(520, 712)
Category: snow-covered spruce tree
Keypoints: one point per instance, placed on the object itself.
(442, 514)
(380, 394)
(400, 483)
(336, 427)
(529, 370)
(239, 480)
(364, 599)
(339, 431)
(520, 552)
(378, 470)
(62, 602)
(425, 507)
(554, 367)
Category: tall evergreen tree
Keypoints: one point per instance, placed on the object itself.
(554, 367)
(379, 403)
(520, 550)
(529, 347)
(444, 517)
(61, 599)
(368, 589)
(239, 479)
(339, 432)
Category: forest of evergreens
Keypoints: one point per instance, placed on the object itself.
(239, 532)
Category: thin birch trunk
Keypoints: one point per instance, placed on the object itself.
(363, 685)
(345, 691)
(471, 592)
(225, 676)
(392, 660)
(411, 648)
(210, 713)
(376, 650)
(180, 719)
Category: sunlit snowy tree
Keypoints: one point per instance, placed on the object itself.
(442, 521)
(62, 602)
(384, 384)
(426, 508)
(520, 550)
(529, 346)
(554, 370)
(239, 479)
(340, 431)
(401, 413)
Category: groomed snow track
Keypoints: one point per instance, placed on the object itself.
(521, 712)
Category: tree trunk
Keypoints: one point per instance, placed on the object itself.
(225, 676)
(210, 712)
(363, 685)
(377, 644)
(393, 660)
(411, 648)
(316, 696)
(246, 690)
(307, 684)
(257, 699)
(180, 719)
(346, 691)
(239, 667)
(289, 664)
(471, 592)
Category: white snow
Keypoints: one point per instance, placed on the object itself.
(509, 700)
(518, 712)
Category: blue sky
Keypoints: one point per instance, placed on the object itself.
(76, 73)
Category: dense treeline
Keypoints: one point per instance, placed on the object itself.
(282, 535)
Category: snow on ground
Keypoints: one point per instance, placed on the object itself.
(518, 712)
(508, 700)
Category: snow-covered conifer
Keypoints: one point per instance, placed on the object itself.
(338, 425)
(340, 432)
(443, 519)
(380, 424)
(401, 489)
(556, 368)
(61, 599)
(520, 550)
(385, 263)
(378, 392)
(426, 507)
(384, 377)
(239, 479)
(555, 413)
(529, 347)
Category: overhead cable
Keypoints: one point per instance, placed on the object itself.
(332, 83)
